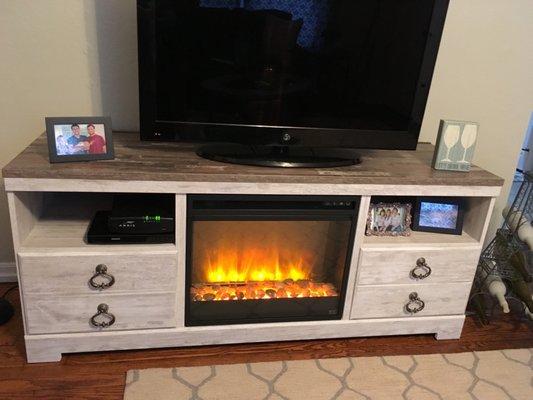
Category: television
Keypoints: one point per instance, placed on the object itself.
(287, 83)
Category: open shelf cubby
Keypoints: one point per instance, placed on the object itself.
(59, 221)
(474, 226)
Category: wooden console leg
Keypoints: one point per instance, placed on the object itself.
(38, 353)
(451, 330)
(448, 335)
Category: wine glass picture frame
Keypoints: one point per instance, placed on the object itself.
(456, 142)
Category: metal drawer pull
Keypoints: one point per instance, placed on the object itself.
(415, 304)
(105, 317)
(422, 269)
(101, 272)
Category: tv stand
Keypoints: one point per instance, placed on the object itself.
(51, 206)
(279, 155)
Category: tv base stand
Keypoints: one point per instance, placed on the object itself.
(279, 156)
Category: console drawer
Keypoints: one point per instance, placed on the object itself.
(71, 273)
(389, 301)
(453, 264)
(66, 314)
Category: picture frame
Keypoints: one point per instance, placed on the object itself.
(73, 139)
(455, 146)
(389, 219)
(439, 215)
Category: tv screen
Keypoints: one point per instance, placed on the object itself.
(354, 73)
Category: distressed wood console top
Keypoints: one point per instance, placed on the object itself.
(177, 162)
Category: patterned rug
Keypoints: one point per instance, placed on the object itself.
(488, 375)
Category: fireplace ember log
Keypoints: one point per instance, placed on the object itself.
(261, 290)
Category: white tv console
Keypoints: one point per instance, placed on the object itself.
(51, 206)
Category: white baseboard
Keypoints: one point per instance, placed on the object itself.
(8, 272)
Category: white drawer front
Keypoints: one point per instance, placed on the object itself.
(390, 301)
(71, 274)
(66, 314)
(378, 266)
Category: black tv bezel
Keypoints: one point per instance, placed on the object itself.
(153, 130)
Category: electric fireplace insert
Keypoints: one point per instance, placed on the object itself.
(257, 259)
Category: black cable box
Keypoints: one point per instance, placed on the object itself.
(142, 214)
(99, 233)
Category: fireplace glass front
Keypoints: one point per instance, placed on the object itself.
(267, 258)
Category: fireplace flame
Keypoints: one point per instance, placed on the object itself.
(257, 265)
(258, 273)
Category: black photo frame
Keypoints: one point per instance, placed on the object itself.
(66, 151)
(418, 214)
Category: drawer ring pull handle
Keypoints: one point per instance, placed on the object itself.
(108, 318)
(422, 269)
(414, 305)
(101, 271)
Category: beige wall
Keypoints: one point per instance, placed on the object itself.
(60, 58)
(75, 57)
(484, 73)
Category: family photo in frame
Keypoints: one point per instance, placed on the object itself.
(389, 219)
(79, 139)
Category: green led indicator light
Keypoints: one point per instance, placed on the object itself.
(152, 218)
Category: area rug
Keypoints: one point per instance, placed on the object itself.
(488, 375)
